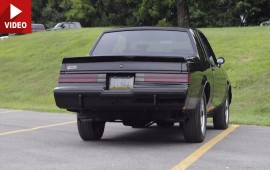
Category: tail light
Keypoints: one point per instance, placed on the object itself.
(82, 78)
(163, 78)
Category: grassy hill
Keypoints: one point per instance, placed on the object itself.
(30, 66)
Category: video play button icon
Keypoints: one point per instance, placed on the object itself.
(14, 11)
(15, 16)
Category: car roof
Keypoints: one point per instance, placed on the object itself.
(68, 22)
(37, 24)
(147, 28)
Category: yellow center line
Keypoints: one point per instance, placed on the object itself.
(10, 111)
(193, 157)
(36, 128)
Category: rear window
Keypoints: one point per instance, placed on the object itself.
(144, 43)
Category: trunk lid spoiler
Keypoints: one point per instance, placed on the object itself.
(90, 59)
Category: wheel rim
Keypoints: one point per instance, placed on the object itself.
(227, 111)
(202, 116)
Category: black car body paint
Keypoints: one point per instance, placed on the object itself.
(85, 88)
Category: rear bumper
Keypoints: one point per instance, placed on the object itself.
(78, 99)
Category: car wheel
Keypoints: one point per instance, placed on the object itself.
(90, 130)
(164, 124)
(221, 118)
(195, 128)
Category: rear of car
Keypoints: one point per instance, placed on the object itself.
(38, 27)
(118, 85)
(141, 71)
(134, 75)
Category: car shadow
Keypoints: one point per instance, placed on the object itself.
(147, 136)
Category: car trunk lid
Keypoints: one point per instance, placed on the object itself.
(131, 64)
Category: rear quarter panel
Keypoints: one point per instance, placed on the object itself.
(200, 75)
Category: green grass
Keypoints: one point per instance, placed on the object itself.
(247, 54)
(30, 65)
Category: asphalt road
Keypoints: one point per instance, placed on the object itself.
(33, 140)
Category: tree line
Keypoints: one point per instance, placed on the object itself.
(193, 13)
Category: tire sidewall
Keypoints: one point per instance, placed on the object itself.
(193, 130)
(203, 133)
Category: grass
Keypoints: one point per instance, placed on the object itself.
(247, 55)
(30, 65)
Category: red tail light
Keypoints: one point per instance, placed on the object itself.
(82, 78)
(169, 78)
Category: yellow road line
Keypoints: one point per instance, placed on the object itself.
(36, 128)
(184, 164)
(9, 111)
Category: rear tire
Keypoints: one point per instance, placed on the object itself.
(164, 124)
(90, 130)
(195, 128)
(221, 118)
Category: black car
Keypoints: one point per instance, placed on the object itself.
(145, 75)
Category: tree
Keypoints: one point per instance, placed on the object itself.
(37, 6)
(48, 12)
(82, 11)
(115, 12)
(182, 13)
(156, 12)
(250, 11)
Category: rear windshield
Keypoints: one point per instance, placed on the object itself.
(144, 43)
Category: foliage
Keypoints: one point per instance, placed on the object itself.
(82, 11)
(207, 13)
(156, 12)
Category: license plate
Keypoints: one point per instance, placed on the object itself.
(121, 83)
